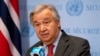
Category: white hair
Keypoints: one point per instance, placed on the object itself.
(41, 7)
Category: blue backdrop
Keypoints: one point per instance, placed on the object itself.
(78, 17)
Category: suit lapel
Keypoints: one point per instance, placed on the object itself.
(62, 45)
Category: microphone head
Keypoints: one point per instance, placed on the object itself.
(37, 51)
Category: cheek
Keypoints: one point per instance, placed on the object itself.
(53, 29)
(37, 32)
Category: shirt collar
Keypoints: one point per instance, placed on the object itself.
(57, 40)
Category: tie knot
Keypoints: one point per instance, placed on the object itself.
(51, 46)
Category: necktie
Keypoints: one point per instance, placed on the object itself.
(50, 50)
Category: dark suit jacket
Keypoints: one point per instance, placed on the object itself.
(68, 46)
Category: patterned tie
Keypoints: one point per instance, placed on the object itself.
(50, 50)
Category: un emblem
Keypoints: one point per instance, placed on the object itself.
(26, 30)
(74, 7)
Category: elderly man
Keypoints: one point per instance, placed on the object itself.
(46, 22)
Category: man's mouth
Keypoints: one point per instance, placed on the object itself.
(45, 35)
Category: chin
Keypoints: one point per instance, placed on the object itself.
(46, 40)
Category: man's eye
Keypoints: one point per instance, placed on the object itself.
(46, 22)
(36, 24)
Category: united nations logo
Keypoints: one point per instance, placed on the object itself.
(74, 7)
(26, 30)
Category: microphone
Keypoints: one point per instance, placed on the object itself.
(38, 51)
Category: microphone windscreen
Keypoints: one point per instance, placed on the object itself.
(38, 51)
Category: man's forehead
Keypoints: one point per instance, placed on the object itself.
(45, 11)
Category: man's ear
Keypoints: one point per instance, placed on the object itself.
(58, 22)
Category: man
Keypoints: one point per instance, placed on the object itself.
(46, 22)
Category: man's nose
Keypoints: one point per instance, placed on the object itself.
(42, 28)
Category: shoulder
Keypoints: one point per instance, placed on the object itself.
(78, 42)
(74, 40)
